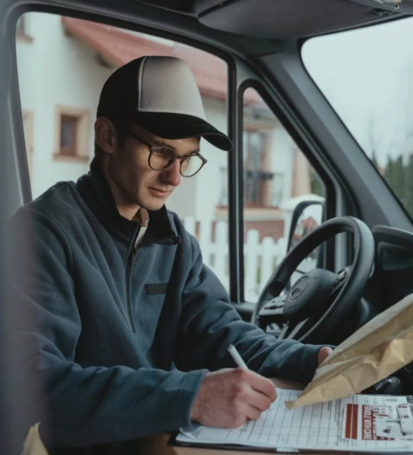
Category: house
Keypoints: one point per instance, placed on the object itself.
(59, 106)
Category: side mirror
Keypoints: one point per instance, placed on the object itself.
(307, 216)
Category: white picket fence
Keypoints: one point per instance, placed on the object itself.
(260, 259)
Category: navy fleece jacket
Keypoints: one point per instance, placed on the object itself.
(120, 337)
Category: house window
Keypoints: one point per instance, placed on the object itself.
(277, 184)
(257, 179)
(68, 130)
(72, 134)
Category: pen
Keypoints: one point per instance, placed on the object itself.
(237, 358)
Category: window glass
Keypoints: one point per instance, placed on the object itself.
(62, 68)
(367, 76)
(68, 126)
(277, 177)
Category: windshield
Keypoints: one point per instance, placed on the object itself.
(367, 76)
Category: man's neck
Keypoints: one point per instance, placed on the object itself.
(128, 210)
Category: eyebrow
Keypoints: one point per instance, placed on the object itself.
(155, 142)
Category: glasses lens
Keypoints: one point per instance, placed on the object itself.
(161, 157)
(191, 166)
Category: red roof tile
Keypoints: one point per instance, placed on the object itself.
(119, 47)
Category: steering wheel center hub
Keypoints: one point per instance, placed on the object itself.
(310, 295)
(299, 288)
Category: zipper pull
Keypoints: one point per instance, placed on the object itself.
(134, 252)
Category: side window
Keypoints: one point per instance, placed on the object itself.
(61, 72)
(277, 177)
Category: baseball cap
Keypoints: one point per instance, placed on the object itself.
(161, 94)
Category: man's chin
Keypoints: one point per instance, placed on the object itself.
(153, 206)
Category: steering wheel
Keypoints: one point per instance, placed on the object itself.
(318, 303)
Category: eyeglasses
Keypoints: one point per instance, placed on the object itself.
(162, 156)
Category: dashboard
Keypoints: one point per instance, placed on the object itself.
(393, 277)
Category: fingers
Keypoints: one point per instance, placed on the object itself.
(228, 398)
(244, 412)
(253, 413)
(259, 401)
(257, 383)
(257, 404)
(243, 393)
(323, 353)
(255, 391)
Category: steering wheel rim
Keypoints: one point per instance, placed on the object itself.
(351, 291)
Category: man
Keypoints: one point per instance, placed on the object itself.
(129, 329)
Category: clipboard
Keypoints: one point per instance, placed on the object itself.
(349, 425)
(234, 447)
(280, 451)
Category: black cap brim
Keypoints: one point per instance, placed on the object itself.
(180, 126)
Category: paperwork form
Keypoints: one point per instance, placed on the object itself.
(358, 423)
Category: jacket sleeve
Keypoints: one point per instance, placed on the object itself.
(82, 406)
(209, 325)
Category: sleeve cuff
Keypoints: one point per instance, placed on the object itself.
(185, 399)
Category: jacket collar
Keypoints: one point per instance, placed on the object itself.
(96, 192)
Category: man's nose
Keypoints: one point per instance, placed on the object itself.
(172, 174)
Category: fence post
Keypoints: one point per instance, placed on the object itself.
(251, 250)
(205, 241)
(221, 249)
(267, 261)
(282, 244)
(189, 223)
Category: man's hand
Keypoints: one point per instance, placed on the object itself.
(323, 353)
(228, 398)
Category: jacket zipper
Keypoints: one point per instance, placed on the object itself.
(129, 266)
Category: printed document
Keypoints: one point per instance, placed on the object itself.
(370, 423)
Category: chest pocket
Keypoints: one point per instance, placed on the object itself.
(156, 288)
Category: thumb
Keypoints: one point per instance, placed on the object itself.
(323, 353)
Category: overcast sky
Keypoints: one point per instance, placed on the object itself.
(367, 75)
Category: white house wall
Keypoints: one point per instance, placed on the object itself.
(53, 70)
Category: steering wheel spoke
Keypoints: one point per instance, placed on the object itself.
(301, 328)
(270, 316)
(276, 302)
(284, 332)
(341, 280)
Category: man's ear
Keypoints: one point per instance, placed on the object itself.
(105, 135)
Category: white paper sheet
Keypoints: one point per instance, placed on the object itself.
(347, 424)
